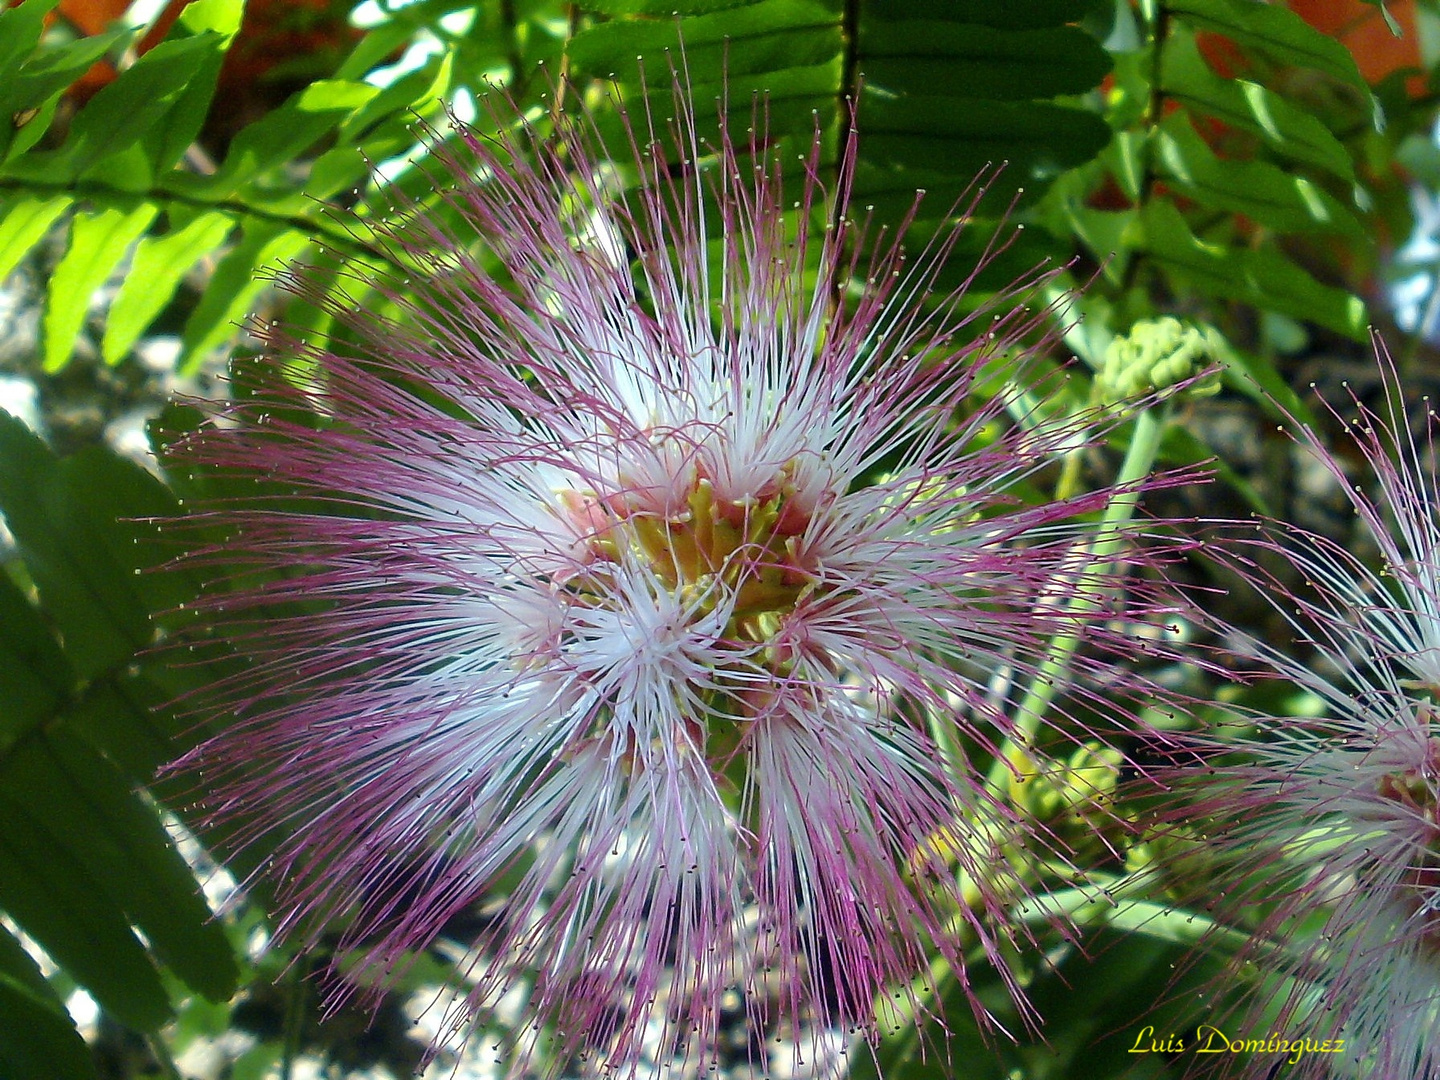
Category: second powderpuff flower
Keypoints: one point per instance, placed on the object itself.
(1329, 826)
(644, 541)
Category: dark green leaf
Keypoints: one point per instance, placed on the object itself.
(943, 57)
(37, 1039)
(918, 137)
(64, 909)
(35, 677)
(121, 843)
(135, 508)
(20, 967)
(124, 717)
(70, 553)
(1027, 16)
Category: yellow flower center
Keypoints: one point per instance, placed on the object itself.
(745, 553)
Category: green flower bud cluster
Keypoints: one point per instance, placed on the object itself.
(1084, 783)
(1158, 354)
(1181, 860)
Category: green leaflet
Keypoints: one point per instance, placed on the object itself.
(1285, 129)
(1262, 277)
(37, 1039)
(98, 241)
(237, 280)
(965, 61)
(85, 586)
(1283, 201)
(35, 677)
(159, 265)
(283, 134)
(764, 37)
(1275, 31)
(920, 136)
(1004, 16)
(120, 842)
(23, 222)
(662, 7)
(58, 902)
(34, 81)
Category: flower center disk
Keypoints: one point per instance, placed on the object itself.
(746, 555)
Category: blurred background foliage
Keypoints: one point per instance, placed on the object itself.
(1269, 170)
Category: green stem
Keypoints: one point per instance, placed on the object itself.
(330, 236)
(1014, 758)
(296, 994)
(161, 1053)
(1157, 18)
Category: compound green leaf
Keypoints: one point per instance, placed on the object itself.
(98, 241)
(36, 87)
(127, 108)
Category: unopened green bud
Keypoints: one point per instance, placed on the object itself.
(1090, 776)
(1085, 781)
(1156, 355)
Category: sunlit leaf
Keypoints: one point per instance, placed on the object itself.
(98, 241)
(159, 265)
(23, 223)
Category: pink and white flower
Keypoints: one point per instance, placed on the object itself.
(621, 556)
(1330, 825)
